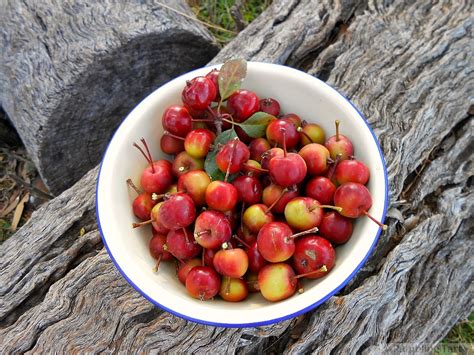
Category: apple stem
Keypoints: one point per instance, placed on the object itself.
(255, 168)
(309, 231)
(300, 129)
(269, 208)
(234, 147)
(337, 130)
(381, 225)
(173, 135)
(241, 241)
(336, 208)
(147, 155)
(133, 186)
(227, 288)
(203, 263)
(198, 234)
(203, 120)
(158, 261)
(139, 224)
(334, 166)
(283, 131)
(300, 287)
(321, 269)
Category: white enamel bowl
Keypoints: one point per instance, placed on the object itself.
(297, 92)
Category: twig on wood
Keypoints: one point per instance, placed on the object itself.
(195, 19)
(31, 188)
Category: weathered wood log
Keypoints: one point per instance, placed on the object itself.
(71, 70)
(407, 67)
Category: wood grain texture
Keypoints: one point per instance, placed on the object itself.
(407, 67)
(71, 70)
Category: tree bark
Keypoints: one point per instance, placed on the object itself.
(71, 70)
(407, 67)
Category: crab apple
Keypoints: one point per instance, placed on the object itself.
(213, 76)
(274, 242)
(277, 197)
(269, 155)
(339, 144)
(158, 248)
(287, 170)
(277, 281)
(321, 189)
(203, 282)
(211, 229)
(142, 206)
(185, 267)
(316, 158)
(177, 211)
(242, 104)
(303, 213)
(177, 120)
(249, 189)
(270, 106)
(195, 183)
(294, 118)
(352, 171)
(256, 260)
(275, 134)
(221, 196)
(155, 218)
(335, 228)
(171, 145)
(157, 177)
(181, 244)
(199, 93)
(184, 163)
(198, 142)
(240, 154)
(231, 262)
(233, 289)
(257, 147)
(256, 216)
(311, 133)
(355, 200)
(312, 252)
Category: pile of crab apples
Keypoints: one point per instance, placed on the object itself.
(257, 212)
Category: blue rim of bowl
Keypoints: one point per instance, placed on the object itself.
(274, 320)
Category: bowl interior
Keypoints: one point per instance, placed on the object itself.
(297, 92)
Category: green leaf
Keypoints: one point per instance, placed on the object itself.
(230, 77)
(256, 125)
(210, 164)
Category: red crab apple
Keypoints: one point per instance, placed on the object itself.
(181, 244)
(277, 196)
(242, 104)
(249, 189)
(177, 120)
(321, 189)
(256, 216)
(335, 228)
(233, 289)
(257, 147)
(303, 213)
(312, 252)
(256, 260)
(142, 204)
(277, 281)
(231, 262)
(198, 142)
(171, 145)
(199, 93)
(293, 117)
(203, 282)
(282, 131)
(355, 200)
(270, 106)
(311, 133)
(211, 229)
(177, 212)
(339, 144)
(157, 176)
(183, 163)
(239, 153)
(195, 183)
(316, 158)
(352, 170)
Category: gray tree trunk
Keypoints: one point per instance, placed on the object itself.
(408, 67)
(71, 70)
